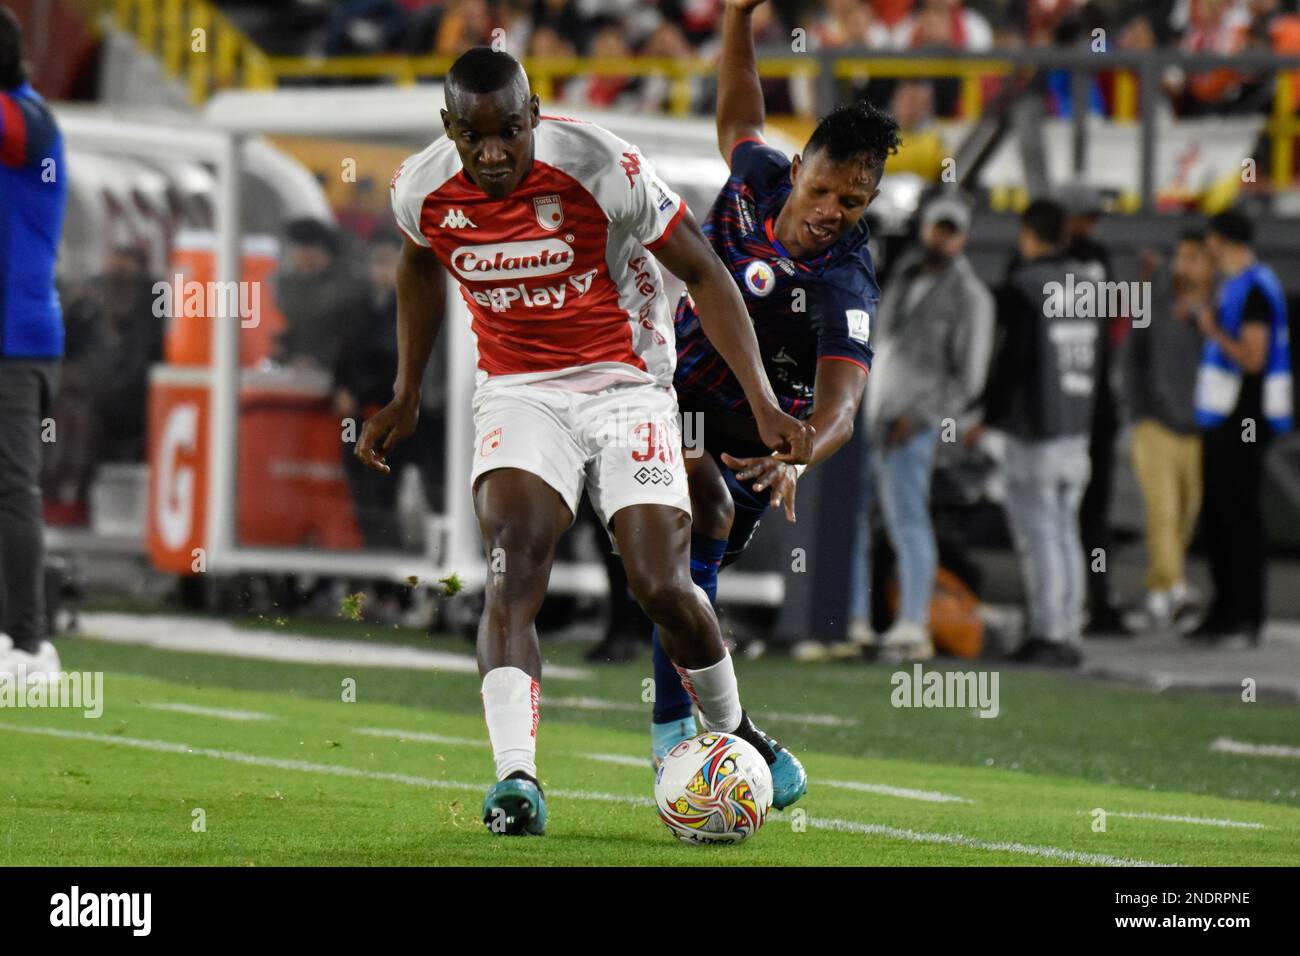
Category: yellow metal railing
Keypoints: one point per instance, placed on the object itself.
(971, 73)
(197, 43)
(193, 40)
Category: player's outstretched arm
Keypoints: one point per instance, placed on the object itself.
(688, 255)
(421, 291)
(740, 95)
(837, 394)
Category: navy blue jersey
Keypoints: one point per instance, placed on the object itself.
(33, 192)
(803, 310)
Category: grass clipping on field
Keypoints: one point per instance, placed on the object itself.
(352, 606)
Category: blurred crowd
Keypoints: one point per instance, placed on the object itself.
(1042, 384)
(688, 30)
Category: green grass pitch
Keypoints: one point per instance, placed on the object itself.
(397, 777)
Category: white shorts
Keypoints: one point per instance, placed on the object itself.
(624, 443)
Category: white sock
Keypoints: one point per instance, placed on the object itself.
(510, 706)
(715, 693)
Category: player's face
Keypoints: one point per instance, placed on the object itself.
(493, 133)
(827, 201)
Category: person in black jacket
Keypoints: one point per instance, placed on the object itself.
(1040, 396)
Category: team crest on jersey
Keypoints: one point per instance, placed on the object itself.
(550, 214)
(759, 278)
(456, 219)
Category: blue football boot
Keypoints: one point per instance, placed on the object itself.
(664, 737)
(789, 779)
(515, 807)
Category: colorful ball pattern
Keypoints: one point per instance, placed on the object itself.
(713, 788)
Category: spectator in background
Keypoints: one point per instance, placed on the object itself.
(603, 91)
(922, 151)
(851, 23)
(1040, 394)
(113, 338)
(364, 372)
(564, 17)
(318, 294)
(1083, 208)
(932, 337)
(31, 350)
(1243, 400)
(668, 42)
(128, 340)
(465, 24)
(1215, 26)
(1160, 368)
(945, 25)
(515, 17)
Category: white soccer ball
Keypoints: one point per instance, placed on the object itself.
(713, 788)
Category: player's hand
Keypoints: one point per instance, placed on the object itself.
(392, 423)
(788, 437)
(767, 472)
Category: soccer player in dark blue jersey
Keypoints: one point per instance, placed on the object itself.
(794, 236)
(33, 191)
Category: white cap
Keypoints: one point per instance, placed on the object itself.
(946, 209)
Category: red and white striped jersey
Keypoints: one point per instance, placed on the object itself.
(557, 276)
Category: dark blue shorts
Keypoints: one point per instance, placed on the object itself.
(720, 435)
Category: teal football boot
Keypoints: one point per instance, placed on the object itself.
(515, 807)
(789, 779)
(664, 737)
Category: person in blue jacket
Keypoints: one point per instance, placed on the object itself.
(33, 193)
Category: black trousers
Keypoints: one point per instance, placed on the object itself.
(1094, 509)
(1232, 522)
(26, 393)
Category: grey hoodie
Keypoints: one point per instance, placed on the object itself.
(932, 347)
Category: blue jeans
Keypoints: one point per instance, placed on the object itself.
(1045, 483)
(901, 476)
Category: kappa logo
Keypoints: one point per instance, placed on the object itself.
(456, 219)
(631, 164)
(549, 212)
(490, 443)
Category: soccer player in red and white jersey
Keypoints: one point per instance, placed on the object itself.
(550, 226)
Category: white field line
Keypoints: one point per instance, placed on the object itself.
(907, 793)
(813, 720)
(845, 826)
(419, 736)
(622, 760)
(590, 703)
(1229, 746)
(220, 713)
(600, 703)
(198, 636)
(956, 839)
(1174, 818)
